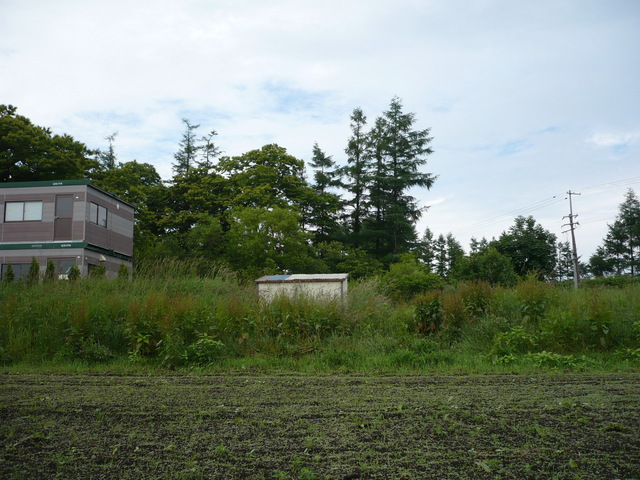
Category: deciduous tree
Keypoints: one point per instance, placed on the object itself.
(29, 152)
(531, 248)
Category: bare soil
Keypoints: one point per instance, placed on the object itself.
(319, 427)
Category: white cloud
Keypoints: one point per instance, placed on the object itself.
(617, 139)
(509, 89)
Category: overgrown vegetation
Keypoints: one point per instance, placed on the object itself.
(180, 314)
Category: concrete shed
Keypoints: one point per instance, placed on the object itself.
(330, 286)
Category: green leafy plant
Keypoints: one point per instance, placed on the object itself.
(546, 359)
(204, 350)
(428, 313)
(515, 341)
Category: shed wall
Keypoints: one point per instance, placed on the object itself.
(334, 290)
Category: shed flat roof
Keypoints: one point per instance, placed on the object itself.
(302, 277)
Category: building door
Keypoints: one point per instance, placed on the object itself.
(63, 218)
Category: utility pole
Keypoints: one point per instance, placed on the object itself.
(572, 226)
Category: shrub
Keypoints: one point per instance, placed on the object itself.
(34, 271)
(408, 278)
(620, 281)
(515, 341)
(476, 297)
(454, 312)
(590, 320)
(535, 297)
(50, 272)
(204, 350)
(428, 313)
(98, 271)
(546, 359)
(9, 275)
(123, 272)
(74, 273)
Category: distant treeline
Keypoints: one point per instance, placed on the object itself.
(259, 213)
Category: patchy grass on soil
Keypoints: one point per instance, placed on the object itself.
(319, 427)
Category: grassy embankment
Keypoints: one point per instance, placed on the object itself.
(168, 318)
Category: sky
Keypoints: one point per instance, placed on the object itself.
(525, 101)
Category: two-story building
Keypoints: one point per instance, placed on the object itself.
(70, 222)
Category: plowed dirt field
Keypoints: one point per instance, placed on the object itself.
(319, 427)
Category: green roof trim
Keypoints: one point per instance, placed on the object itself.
(63, 245)
(42, 245)
(45, 183)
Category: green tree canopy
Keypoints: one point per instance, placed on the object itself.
(29, 152)
(263, 240)
(531, 248)
(141, 185)
(488, 265)
(268, 177)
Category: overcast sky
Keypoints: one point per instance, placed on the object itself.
(526, 100)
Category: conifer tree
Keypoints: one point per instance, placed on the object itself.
(210, 151)
(323, 206)
(186, 156)
(398, 153)
(356, 172)
(108, 159)
(619, 253)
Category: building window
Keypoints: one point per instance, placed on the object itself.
(63, 266)
(20, 270)
(23, 211)
(98, 214)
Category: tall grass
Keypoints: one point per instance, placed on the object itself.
(183, 314)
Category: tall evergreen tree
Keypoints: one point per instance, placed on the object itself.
(376, 229)
(619, 253)
(356, 172)
(630, 219)
(210, 151)
(399, 152)
(108, 159)
(325, 172)
(564, 263)
(441, 260)
(425, 250)
(322, 208)
(186, 156)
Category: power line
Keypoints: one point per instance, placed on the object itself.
(616, 184)
(543, 203)
(520, 211)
